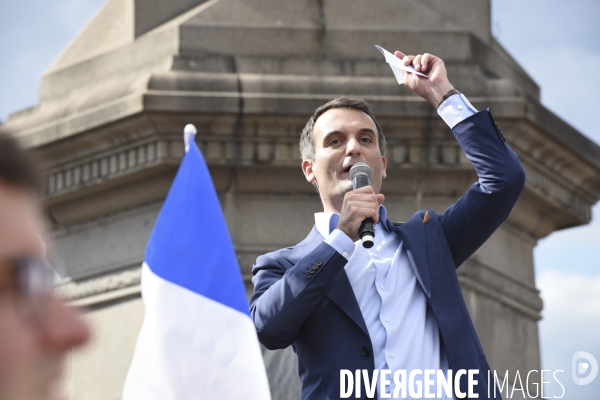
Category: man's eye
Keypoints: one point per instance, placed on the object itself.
(334, 142)
(366, 140)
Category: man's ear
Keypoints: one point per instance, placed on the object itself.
(307, 168)
(383, 167)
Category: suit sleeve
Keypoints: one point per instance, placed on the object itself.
(469, 222)
(285, 297)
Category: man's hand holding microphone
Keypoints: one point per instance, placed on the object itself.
(360, 209)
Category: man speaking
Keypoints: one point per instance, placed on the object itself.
(396, 305)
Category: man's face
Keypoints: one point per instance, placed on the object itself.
(32, 351)
(342, 138)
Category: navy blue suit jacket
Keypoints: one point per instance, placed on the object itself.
(318, 314)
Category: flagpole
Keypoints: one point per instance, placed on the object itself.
(189, 133)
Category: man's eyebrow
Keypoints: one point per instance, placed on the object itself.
(367, 130)
(337, 132)
(330, 134)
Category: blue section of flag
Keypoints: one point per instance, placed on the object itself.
(190, 244)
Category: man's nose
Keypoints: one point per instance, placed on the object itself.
(353, 147)
(63, 327)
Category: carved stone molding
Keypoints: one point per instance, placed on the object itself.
(122, 161)
(145, 154)
(72, 291)
(554, 188)
(491, 283)
(137, 157)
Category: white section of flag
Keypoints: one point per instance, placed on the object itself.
(192, 347)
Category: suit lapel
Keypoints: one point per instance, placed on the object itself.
(341, 292)
(413, 237)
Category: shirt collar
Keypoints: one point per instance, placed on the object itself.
(327, 221)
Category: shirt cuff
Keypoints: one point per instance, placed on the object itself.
(455, 109)
(341, 243)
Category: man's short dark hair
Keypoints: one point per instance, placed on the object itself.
(307, 140)
(16, 167)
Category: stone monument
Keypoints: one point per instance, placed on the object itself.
(248, 73)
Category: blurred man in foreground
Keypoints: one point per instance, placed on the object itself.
(36, 328)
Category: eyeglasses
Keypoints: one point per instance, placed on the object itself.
(32, 280)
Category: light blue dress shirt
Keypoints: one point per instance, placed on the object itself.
(403, 331)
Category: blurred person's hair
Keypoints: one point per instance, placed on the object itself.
(16, 166)
(307, 140)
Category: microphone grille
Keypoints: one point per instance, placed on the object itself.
(360, 168)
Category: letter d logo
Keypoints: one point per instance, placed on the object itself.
(582, 367)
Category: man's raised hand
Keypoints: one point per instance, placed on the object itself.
(432, 88)
(359, 205)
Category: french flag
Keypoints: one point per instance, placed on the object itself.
(197, 340)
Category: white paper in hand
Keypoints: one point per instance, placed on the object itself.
(397, 66)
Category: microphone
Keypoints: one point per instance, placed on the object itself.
(360, 173)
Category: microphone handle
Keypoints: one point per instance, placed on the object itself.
(366, 232)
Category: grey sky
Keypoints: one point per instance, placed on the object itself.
(557, 42)
(32, 34)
